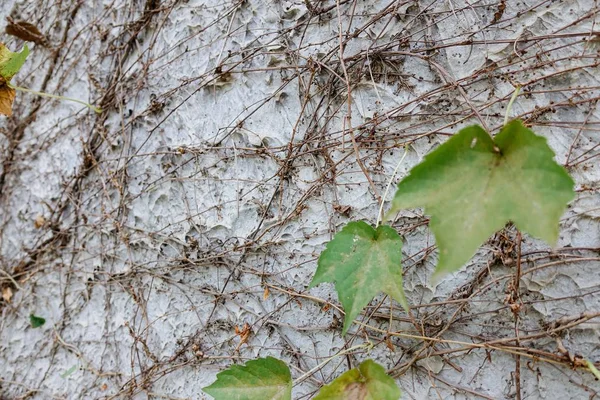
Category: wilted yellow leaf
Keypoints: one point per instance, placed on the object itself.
(39, 221)
(10, 64)
(7, 96)
(7, 293)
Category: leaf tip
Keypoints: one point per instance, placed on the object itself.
(345, 328)
(314, 282)
(441, 270)
(388, 216)
(404, 302)
(436, 277)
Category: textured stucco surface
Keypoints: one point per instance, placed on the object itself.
(200, 199)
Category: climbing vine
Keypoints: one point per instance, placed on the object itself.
(471, 186)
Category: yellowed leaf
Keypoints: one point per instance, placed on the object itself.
(39, 221)
(266, 293)
(7, 96)
(10, 64)
(7, 293)
(243, 333)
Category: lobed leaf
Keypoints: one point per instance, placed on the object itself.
(362, 261)
(472, 185)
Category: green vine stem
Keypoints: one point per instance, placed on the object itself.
(54, 96)
(387, 189)
(510, 104)
(590, 365)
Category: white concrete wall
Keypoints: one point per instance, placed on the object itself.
(220, 167)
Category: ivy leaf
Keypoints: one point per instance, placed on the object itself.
(36, 321)
(367, 382)
(10, 64)
(260, 379)
(362, 262)
(473, 185)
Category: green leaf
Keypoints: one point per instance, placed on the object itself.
(36, 321)
(260, 379)
(473, 185)
(367, 382)
(362, 262)
(11, 63)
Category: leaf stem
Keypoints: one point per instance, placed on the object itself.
(590, 365)
(510, 103)
(367, 346)
(55, 96)
(387, 189)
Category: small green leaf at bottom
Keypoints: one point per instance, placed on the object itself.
(260, 379)
(36, 321)
(362, 261)
(367, 382)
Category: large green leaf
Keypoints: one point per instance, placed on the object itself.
(362, 262)
(367, 382)
(260, 379)
(473, 185)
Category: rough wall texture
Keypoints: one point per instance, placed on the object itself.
(228, 154)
